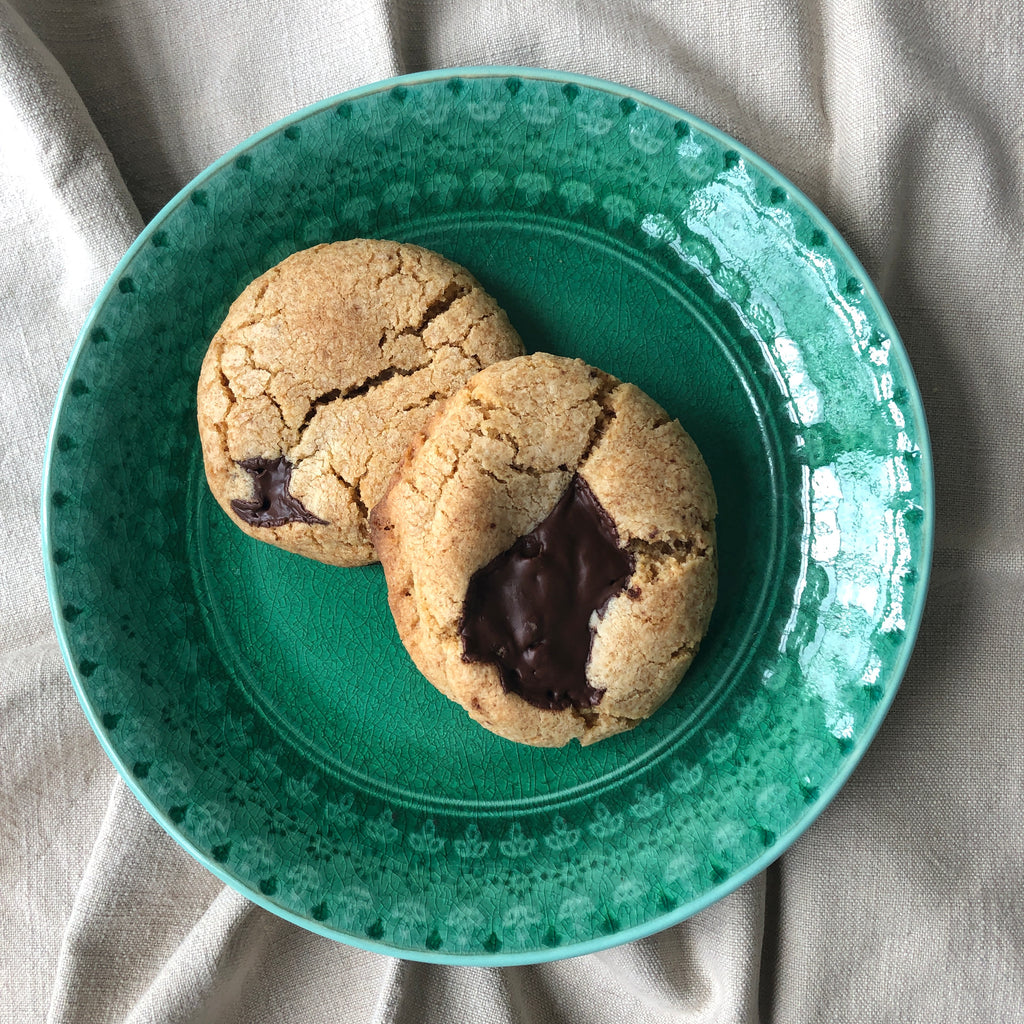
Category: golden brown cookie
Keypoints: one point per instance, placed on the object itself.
(325, 368)
(549, 547)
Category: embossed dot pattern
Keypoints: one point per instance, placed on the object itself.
(248, 695)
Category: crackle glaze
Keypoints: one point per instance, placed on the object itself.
(261, 705)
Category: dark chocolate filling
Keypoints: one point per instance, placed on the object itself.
(273, 504)
(528, 610)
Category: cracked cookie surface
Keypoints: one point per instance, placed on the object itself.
(323, 370)
(487, 470)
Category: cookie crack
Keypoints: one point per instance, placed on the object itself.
(501, 482)
(458, 343)
(380, 378)
(689, 649)
(606, 413)
(315, 405)
(396, 271)
(604, 416)
(226, 384)
(531, 471)
(453, 472)
(220, 423)
(364, 512)
(277, 405)
(268, 278)
(261, 318)
(593, 717)
(359, 390)
(464, 337)
(355, 491)
(499, 435)
(679, 549)
(434, 396)
(486, 429)
(453, 291)
(456, 346)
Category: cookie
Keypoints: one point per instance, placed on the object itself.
(549, 547)
(324, 369)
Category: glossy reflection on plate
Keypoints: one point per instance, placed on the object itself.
(261, 705)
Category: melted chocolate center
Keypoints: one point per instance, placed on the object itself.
(273, 504)
(528, 610)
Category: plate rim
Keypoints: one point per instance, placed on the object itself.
(895, 673)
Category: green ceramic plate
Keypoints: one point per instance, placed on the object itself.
(261, 706)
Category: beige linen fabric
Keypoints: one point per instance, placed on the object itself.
(904, 122)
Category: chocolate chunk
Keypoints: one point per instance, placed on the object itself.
(273, 504)
(528, 610)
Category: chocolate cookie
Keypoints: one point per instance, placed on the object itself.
(549, 547)
(325, 368)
